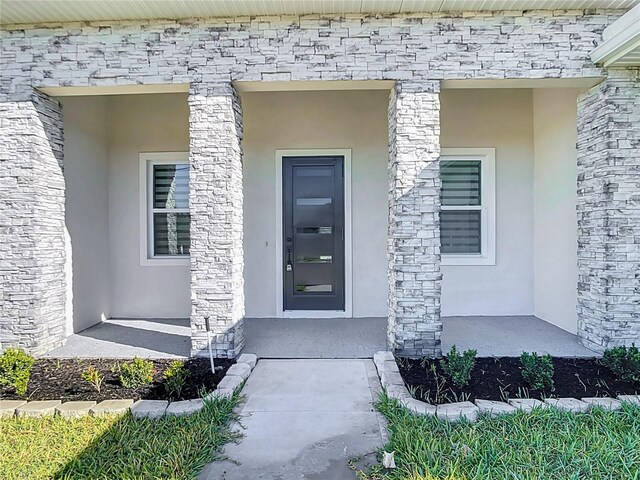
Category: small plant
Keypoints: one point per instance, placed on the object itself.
(174, 378)
(136, 373)
(15, 369)
(537, 371)
(458, 367)
(93, 376)
(623, 362)
(440, 383)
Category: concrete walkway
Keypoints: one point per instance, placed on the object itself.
(303, 419)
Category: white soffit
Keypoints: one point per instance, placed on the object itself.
(42, 11)
(621, 45)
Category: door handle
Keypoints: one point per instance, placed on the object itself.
(289, 263)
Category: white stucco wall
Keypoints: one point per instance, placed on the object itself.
(307, 120)
(104, 137)
(142, 123)
(555, 197)
(86, 175)
(502, 119)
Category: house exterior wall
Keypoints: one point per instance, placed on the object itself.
(142, 123)
(415, 50)
(609, 211)
(320, 120)
(86, 175)
(555, 223)
(33, 297)
(500, 119)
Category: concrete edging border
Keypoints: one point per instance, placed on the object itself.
(233, 381)
(394, 387)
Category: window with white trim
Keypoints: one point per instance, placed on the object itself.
(467, 206)
(165, 196)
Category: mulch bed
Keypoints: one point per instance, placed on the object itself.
(53, 379)
(497, 378)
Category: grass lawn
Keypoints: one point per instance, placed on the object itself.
(114, 447)
(546, 444)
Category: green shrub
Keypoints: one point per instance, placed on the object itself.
(623, 362)
(15, 369)
(537, 371)
(458, 367)
(174, 378)
(136, 373)
(93, 376)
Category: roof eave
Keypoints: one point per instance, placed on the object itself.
(621, 39)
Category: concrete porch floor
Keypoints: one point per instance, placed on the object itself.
(128, 338)
(320, 338)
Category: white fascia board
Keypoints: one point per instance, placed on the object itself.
(620, 38)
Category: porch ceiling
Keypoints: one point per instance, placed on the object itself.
(34, 11)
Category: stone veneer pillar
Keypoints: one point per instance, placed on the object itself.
(414, 231)
(32, 223)
(609, 212)
(216, 203)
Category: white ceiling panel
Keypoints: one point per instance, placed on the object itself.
(34, 11)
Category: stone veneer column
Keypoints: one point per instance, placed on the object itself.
(414, 229)
(216, 202)
(32, 223)
(609, 212)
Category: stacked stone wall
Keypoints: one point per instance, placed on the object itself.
(32, 238)
(414, 225)
(216, 207)
(609, 212)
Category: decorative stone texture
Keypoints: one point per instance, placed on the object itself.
(418, 407)
(249, 358)
(457, 411)
(526, 404)
(632, 399)
(241, 370)
(389, 377)
(603, 402)
(38, 409)
(32, 219)
(494, 408)
(215, 203)
(609, 212)
(414, 227)
(8, 407)
(398, 392)
(230, 383)
(379, 358)
(417, 47)
(186, 407)
(74, 409)
(219, 393)
(111, 407)
(572, 405)
(149, 408)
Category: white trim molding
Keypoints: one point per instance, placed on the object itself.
(348, 253)
(487, 158)
(147, 160)
(621, 45)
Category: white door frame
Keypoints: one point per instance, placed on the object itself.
(348, 269)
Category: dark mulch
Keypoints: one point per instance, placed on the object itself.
(61, 379)
(497, 378)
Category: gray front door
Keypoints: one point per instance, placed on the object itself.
(313, 233)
